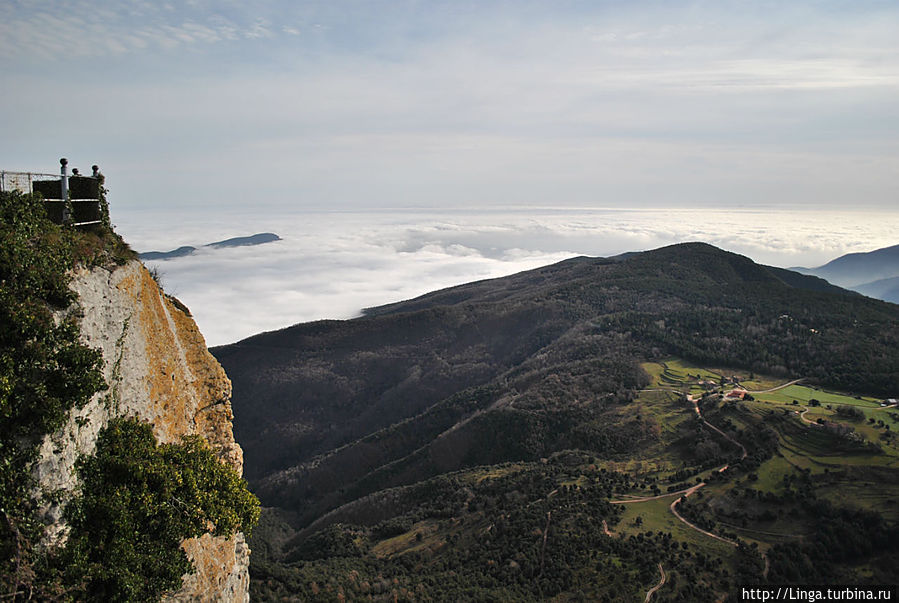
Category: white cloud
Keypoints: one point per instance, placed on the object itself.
(331, 265)
(47, 31)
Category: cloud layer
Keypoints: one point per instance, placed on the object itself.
(334, 264)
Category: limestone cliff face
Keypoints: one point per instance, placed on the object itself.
(159, 370)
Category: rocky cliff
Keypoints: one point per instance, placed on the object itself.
(158, 370)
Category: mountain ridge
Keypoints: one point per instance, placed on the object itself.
(886, 289)
(858, 270)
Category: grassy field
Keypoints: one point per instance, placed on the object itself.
(479, 475)
(430, 537)
(844, 470)
(676, 374)
(772, 472)
(656, 516)
(803, 394)
(870, 494)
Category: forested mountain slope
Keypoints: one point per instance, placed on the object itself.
(338, 419)
(302, 391)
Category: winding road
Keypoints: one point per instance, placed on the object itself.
(673, 508)
(807, 421)
(652, 590)
(684, 494)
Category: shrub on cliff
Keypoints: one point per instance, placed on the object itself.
(138, 501)
(44, 370)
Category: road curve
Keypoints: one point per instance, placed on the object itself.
(652, 590)
(807, 421)
(673, 508)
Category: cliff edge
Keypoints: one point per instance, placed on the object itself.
(159, 370)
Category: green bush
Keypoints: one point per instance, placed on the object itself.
(850, 412)
(44, 370)
(138, 501)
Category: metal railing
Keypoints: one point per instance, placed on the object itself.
(71, 199)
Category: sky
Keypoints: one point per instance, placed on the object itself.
(403, 146)
(434, 104)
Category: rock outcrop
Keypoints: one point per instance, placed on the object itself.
(158, 370)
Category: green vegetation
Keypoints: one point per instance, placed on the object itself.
(138, 501)
(455, 536)
(804, 395)
(519, 535)
(44, 370)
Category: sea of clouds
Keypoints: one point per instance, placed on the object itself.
(334, 264)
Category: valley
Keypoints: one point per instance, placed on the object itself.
(729, 517)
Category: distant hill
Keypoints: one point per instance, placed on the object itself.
(886, 289)
(167, 255)
(256, 239)
(855, 269)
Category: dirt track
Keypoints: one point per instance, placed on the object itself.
(652, 590)
(624, 501)
(774, 389)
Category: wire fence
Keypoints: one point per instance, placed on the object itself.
(22, 181)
